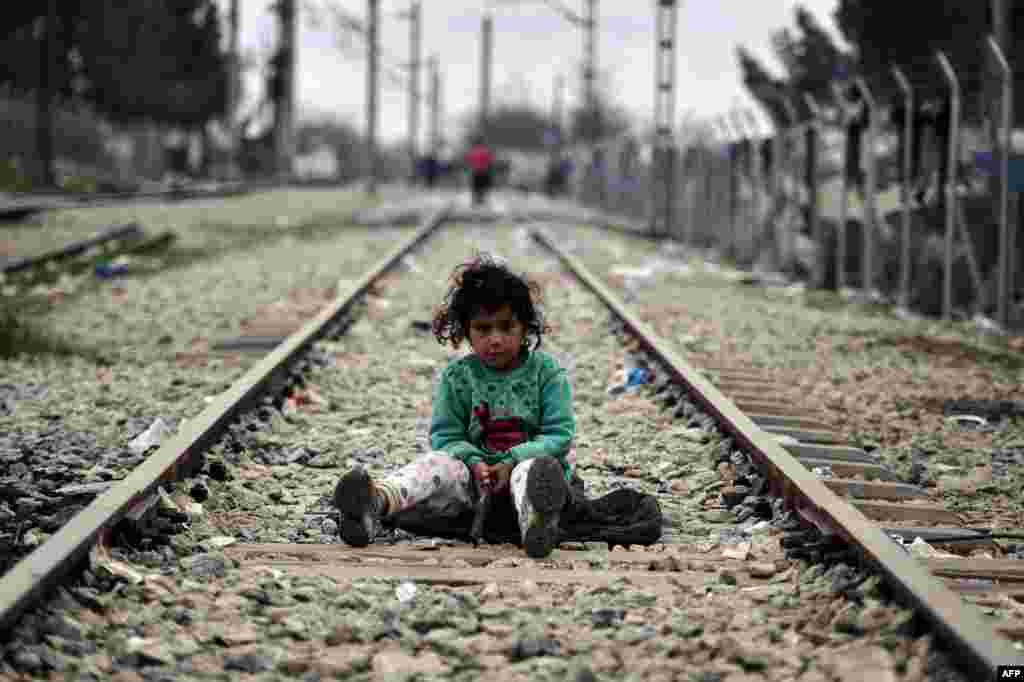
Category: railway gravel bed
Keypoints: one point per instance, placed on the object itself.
(203, 229)
(52, 229)
(884, 384)
(135, 350)
(178, 605)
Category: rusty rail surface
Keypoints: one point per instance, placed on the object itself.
(31, 580)
(961, 627)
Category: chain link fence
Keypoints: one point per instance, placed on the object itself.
(815, 202)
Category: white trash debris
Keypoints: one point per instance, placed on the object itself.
(967, 419)
(823, 472)
(740, 551)
(221, 541)
(405, 592)
(785, 440)
(987, 325)
(156, 434)
(923, 550)
(410, 264)
(759, 528)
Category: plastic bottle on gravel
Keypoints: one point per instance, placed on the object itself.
(629, 380)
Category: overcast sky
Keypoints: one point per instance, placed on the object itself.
(533, 44)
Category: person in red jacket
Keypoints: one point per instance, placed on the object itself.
(480, 160)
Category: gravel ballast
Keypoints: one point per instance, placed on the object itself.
(135, 350)
(883, 383)
(185, 610)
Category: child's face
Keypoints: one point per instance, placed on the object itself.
(496, 337)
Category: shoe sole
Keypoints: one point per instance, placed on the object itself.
(547, 491)
(354, 499)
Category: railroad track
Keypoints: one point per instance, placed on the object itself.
(721, 399)
(112, 242)
(19, 205)
(127, 239)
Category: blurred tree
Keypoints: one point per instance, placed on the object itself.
(156, 60)
(604, 121)
(908, 33)
(21, 38)
(765, 88)
(810, 58)
(511, 125)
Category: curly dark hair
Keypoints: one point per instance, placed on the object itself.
(486, 284)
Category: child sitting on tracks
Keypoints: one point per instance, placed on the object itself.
(502, 422)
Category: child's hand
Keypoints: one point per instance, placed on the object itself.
(482, 474)
(501, 474)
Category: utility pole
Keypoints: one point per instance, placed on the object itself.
(44, 98)
(558, 103)
(557, 114)
(486, 59)
(373, 18)
(415, 46)
(1007, 204)
(441, 140)
(1002, 29)
(233, 87)
(435, 105)
(590, 68)
(1001, 24)
(284, 112)
(557, 98)
(663, 157)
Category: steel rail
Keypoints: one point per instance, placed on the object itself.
(129, 231)
(34, 576)
(981, 650)
(17, 203)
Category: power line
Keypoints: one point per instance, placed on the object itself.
(353, 26)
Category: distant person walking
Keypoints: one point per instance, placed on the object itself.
(430, 167)
(480, 160)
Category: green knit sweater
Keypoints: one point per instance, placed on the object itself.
(537, 393)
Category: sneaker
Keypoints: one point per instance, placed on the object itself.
(547, 491)
(359, 504)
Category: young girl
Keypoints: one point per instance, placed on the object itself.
(502, 420)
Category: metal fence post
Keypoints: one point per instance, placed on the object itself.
(954, 146)
(690, 191)
(710, 200)
(783, 157)
(844, 200)
(1005, 124)
(732, 146)
(744, 208)
(908, 141)
(723, 184)
(869, 213)
(758, 182)
(815, 128)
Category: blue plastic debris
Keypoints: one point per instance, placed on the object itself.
(637, 377)
(111, 270)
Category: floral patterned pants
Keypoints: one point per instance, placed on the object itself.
(437, 485)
